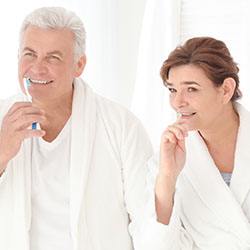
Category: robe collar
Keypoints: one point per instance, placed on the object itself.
(225, 202)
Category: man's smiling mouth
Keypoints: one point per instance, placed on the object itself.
(43, 82)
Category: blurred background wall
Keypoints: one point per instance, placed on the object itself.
(127, 42)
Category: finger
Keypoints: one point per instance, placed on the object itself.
(183, 123)
(18, 105)
(25, 111)
(178, 130)
(26, 121)
(181, 144)
(169, 137)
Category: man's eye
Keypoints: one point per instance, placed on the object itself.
(54, 58)
(30, 54)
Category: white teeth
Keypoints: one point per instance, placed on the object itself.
(38, 81)
(185, 114)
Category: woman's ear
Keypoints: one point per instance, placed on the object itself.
(228, 88)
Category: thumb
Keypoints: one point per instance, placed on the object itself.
(182, 145)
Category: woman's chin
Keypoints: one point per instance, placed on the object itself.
(191, 127)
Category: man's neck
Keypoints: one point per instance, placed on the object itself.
(57, 112)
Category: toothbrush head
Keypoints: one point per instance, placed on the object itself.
(27, 84)
(27, 81)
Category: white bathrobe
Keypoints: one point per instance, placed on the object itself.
(207, 214)
(109, 151)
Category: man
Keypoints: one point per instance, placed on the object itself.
(77, 180)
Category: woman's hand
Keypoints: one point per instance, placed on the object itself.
(173, 152)
(172, 160)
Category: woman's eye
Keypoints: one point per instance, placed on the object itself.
(172, 90)
(192, 89)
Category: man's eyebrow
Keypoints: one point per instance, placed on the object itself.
(183, 83)
(57, 52)
(29, 49)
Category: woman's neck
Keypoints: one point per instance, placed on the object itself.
(225, 130)
(221, 141)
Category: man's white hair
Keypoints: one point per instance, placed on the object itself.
(57, 18)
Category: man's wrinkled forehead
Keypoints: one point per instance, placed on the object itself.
(55, 40)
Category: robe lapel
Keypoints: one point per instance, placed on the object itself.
(240, 182)
(22, 190)
(212, 190)
(21, 167)
(82, 139)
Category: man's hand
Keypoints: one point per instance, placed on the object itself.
(16, 127)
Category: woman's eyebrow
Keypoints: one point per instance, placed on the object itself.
(183, 83)
(190, 83)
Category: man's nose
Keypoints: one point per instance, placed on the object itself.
(39, 67)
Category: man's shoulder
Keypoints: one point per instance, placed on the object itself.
(105, 107)
(123, 125)
(114, 117)
(114, 111)
(108, 104)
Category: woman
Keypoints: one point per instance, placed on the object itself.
(202, 189)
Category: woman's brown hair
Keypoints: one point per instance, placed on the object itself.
(211, 55)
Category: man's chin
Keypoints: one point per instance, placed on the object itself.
(42, 99)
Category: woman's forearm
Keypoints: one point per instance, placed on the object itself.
(164, 197)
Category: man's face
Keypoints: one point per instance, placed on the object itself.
(46, 57)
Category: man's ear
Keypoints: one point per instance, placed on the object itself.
(80, 65)
(228, 88)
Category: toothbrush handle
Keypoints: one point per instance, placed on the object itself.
(34, 125)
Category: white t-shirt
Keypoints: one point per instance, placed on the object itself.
(50, 224)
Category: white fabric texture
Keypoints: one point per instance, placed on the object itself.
(109, 150)
(50, 220)
(208, 214)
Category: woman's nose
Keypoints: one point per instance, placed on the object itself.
(179, 100)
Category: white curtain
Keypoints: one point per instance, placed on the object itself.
(167, 23)
(160, 34)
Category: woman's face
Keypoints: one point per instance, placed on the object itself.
(194, 97)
